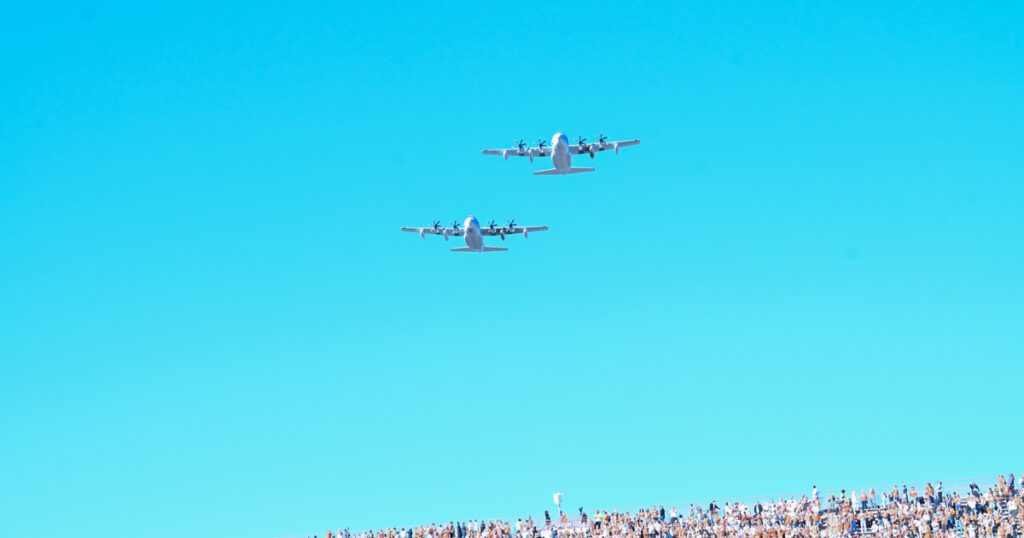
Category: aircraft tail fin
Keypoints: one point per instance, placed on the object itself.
(485, 249)
(557, 172)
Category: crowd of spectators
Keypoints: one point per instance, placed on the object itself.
(996, 511)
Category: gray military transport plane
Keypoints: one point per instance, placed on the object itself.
(474, 234)
(561, 152)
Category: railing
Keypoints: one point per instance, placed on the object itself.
(959, 485)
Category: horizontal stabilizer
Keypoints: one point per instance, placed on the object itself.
(485, 249)
(557, 172)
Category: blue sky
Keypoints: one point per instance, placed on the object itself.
(808, 273)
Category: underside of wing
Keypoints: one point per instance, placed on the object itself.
(513, 152)
(526, 229)
(617, 145)
(516, 152)
(596, 147)
(434, 231)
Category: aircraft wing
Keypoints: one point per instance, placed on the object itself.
(575, 149)
(434, 231)
(514, 152)
(499, 230)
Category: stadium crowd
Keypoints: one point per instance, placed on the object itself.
(995, 512)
